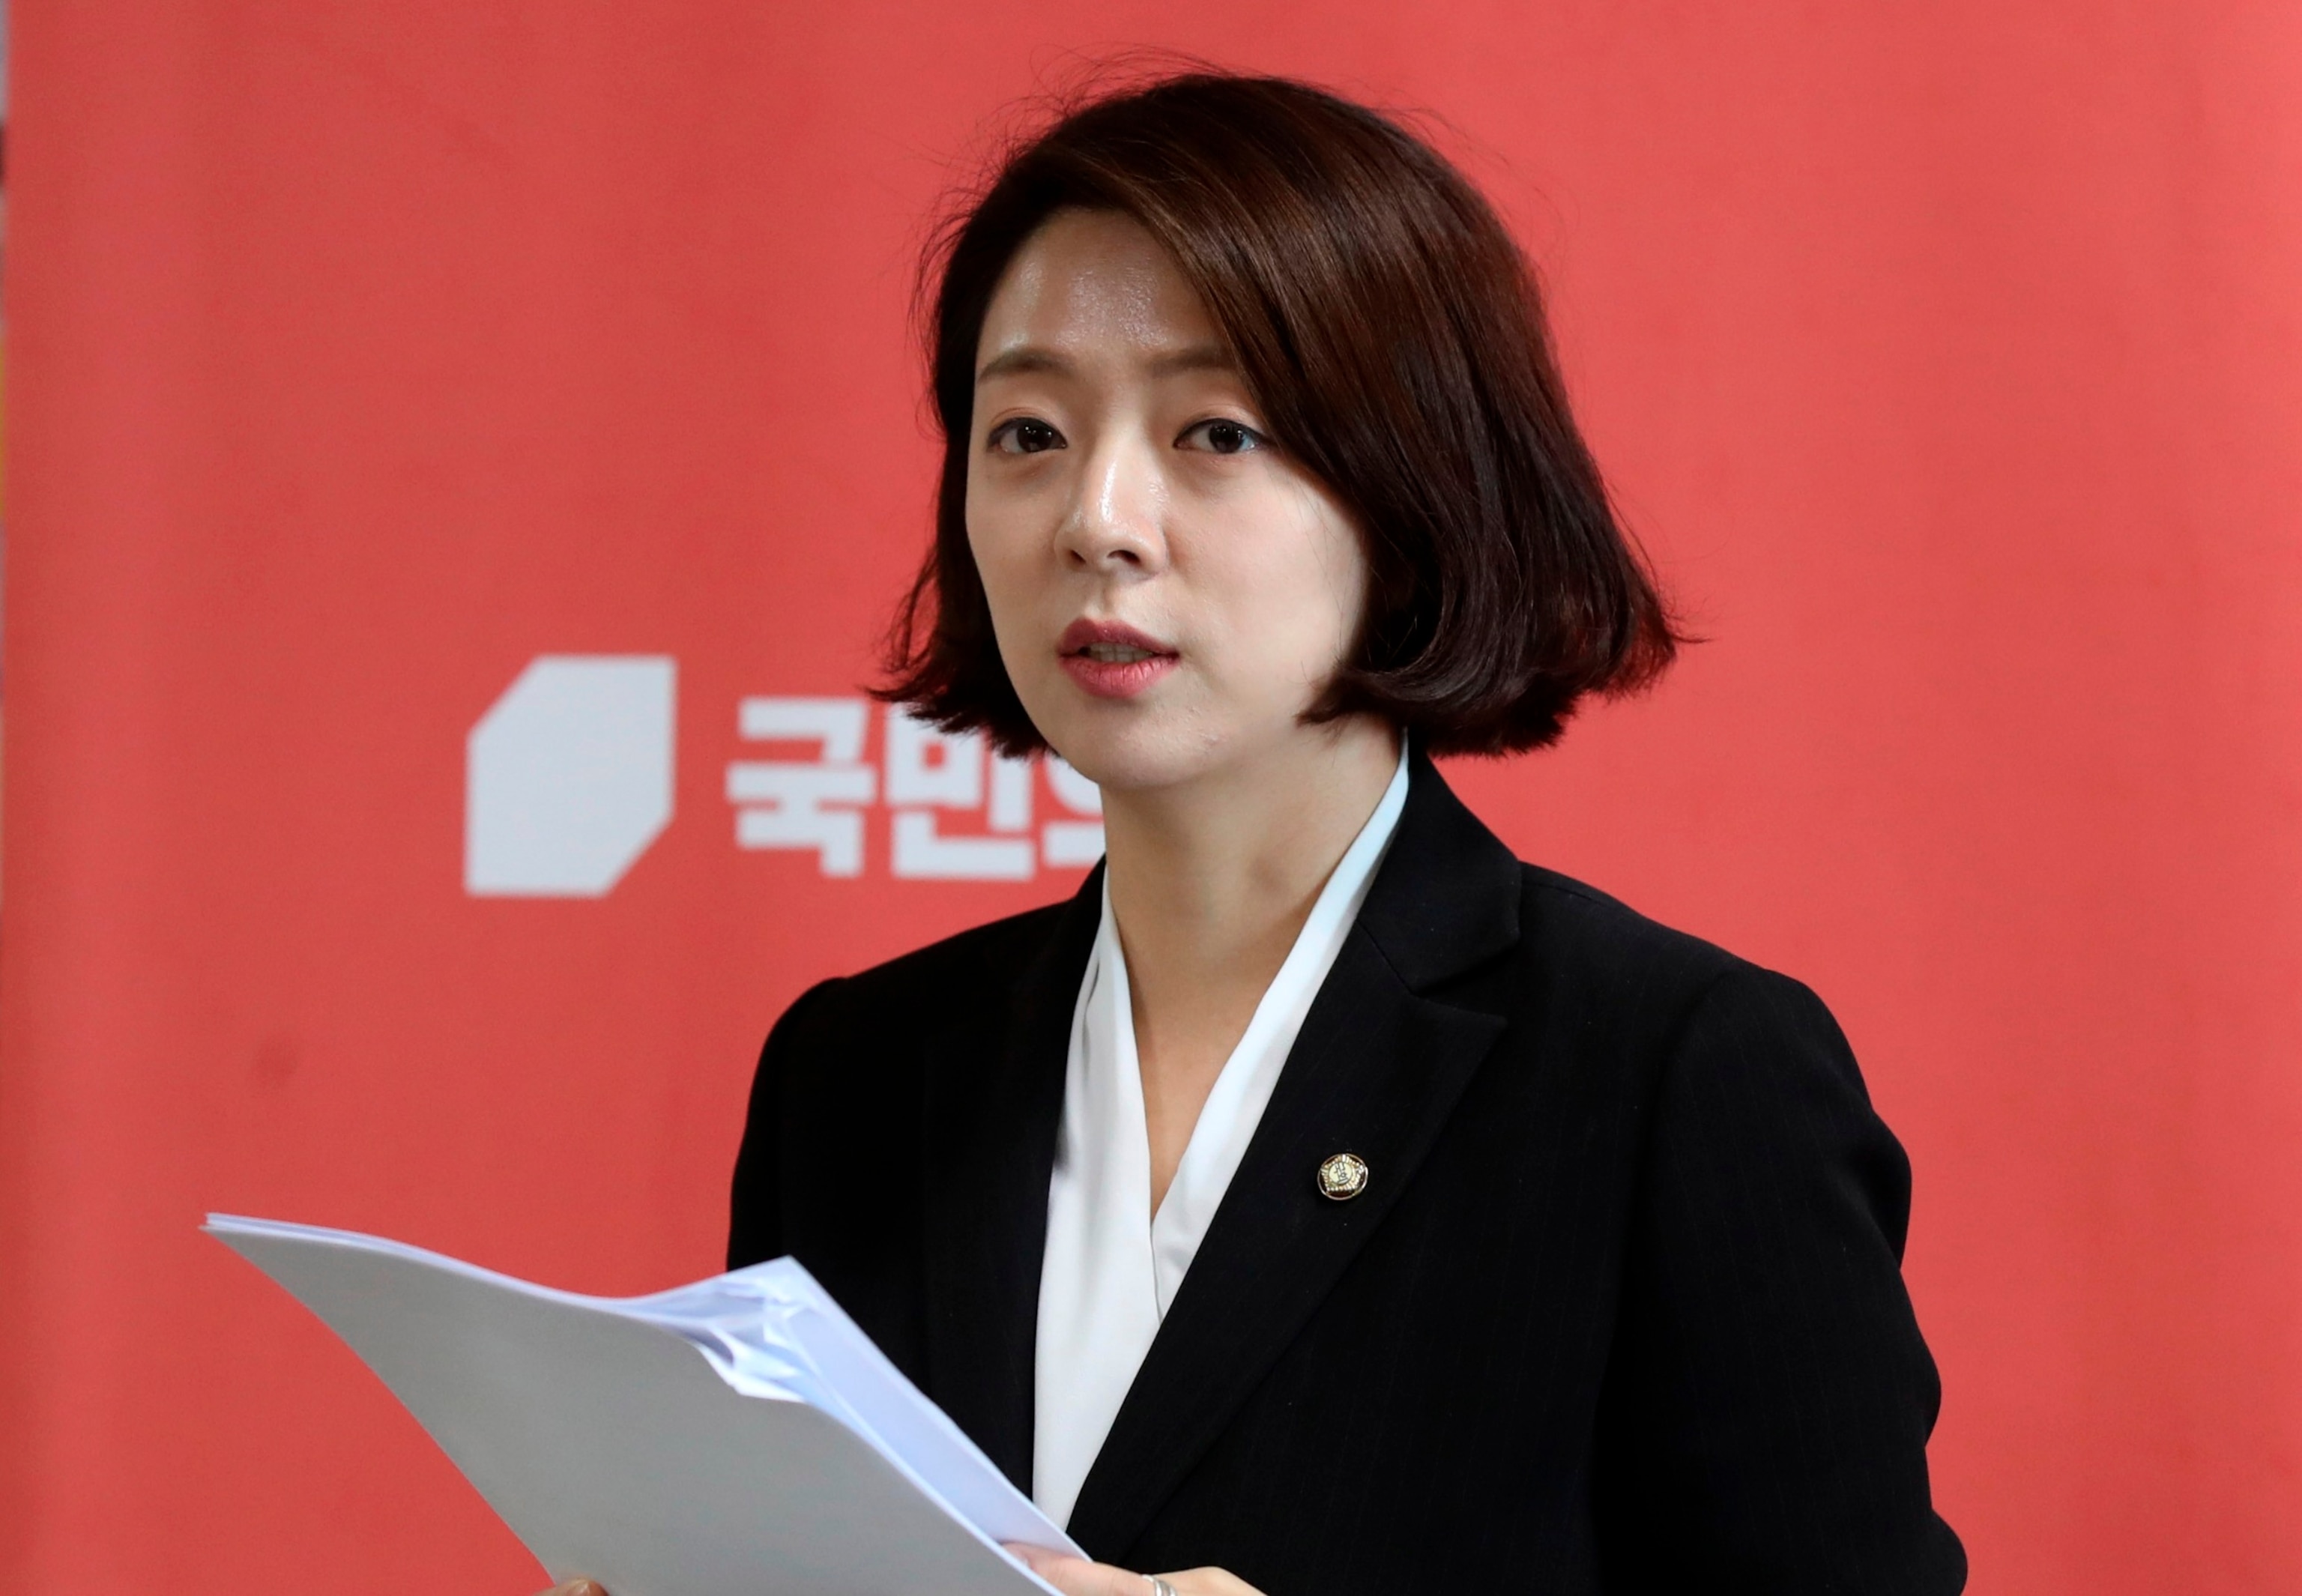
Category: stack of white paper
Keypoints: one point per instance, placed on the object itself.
(737, 1437)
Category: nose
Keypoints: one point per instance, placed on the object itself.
(1113, 525)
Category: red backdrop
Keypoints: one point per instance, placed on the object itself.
(1949, 359)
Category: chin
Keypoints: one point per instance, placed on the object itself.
(1145, 748)
(1135, 751)
(1128, 763)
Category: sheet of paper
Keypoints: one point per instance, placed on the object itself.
(603, 1433)
(879, 1400)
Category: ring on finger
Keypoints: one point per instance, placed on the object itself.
(1160, 1587)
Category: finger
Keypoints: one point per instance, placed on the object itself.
(1076, 1576)
(577, 1587)
(1209, 1582)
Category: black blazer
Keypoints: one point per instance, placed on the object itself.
(1620, 1307)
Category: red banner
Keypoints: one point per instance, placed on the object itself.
(464, 457)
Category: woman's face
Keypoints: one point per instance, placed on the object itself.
(1170, 589)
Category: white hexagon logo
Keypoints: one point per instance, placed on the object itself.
(567, 777)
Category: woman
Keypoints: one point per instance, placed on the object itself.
(1322, 1199)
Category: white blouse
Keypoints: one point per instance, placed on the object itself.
(1111, 1267)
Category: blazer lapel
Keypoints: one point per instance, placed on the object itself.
(1375, 1070)
(993, 1106)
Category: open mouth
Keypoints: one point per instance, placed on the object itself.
(1111, 660)
(1117, 653)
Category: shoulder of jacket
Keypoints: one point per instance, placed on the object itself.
(1663, 984)
(1576, 924)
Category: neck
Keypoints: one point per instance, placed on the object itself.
(1206, 873)
(1211, 882)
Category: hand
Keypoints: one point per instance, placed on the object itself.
(577, 1587)
(1076, 1576)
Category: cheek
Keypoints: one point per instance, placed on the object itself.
(1313, 593)
(992, 538)
(1343, 578)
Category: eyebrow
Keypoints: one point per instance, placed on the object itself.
(1031, 358)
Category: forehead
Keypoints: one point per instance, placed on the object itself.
(1089, 282)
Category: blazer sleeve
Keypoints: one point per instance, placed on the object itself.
(755, 1227)
(1765, 1419)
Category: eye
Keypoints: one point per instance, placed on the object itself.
(1024, 435)
(1219, 436)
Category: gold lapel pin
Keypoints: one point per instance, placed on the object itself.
(1342, 1177)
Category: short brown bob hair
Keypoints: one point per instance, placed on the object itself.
(1393, 336)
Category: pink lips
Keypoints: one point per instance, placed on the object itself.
(1087, 649)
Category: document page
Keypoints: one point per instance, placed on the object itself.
(740, 1437)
